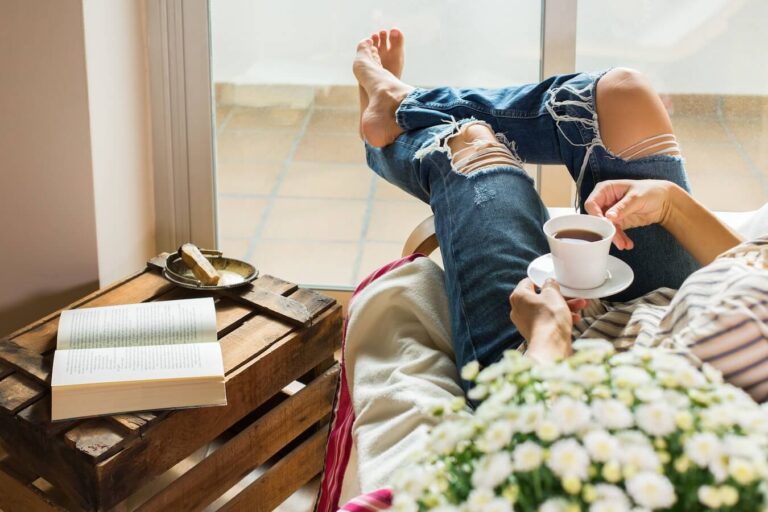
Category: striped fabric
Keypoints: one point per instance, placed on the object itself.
(719, 316)
(371, 502)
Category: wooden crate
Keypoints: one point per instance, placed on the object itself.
(96, 464)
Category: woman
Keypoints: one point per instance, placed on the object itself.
(461, 151)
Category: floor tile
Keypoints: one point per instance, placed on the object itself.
(692, 104)
(280, 95)
(745, 106)
(393, 221)
(733, 194)
(336, 147)
(385, 190)
(252, 146)
(306, 179)
(234, 247)
(377, 254)
(698, 130)
(315, 219)
(337, 96)
(238, 177)
(221, 116)
(715, 159)
(308, 263)
(266, 118)
(238, 218)
(331, 120)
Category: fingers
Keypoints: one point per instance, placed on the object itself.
(622, 241)
(524, 287)
(576, 305)
(605, 195)
(628, 205)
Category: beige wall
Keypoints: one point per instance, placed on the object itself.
(47, 232)
(75, 176)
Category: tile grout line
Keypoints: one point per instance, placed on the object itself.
(279, 181)
(756, 172)
(364, 231)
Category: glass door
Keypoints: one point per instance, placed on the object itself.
(707, 58)
(294, 194)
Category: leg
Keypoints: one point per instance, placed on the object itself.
(488, 220)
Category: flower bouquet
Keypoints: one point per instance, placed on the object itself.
(600, 431)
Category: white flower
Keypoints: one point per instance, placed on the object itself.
(717, 417)
(676, 399)
(610, 498)
(554, 505)
(608, 506)
(601, 445)
(412, 480)
(527, 456)
(690, 377)
(491, 470)
(612, 414)
(709, 496)
(547, 431)
(478, 392)
(595, 344)
(719, 468)
(591, 374)
(530, 416)
(446, 435)
(629, 376)
(470, 370)
(491, 373)
(703, 448)
(568, 458)
(404, 503)
(651, 490)
(497, 436)
(741, 446)
(639, 457)
(570, 415)
(478, 499)
(712, 374)
(657, 419)
(742, 471)
(498, 505)
(754, 421)
(649, 393)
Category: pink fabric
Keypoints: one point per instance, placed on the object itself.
(340, 439)
(371, 502)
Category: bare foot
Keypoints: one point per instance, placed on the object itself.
(392, 57)
(384, 92)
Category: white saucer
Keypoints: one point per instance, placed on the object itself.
(620, 276)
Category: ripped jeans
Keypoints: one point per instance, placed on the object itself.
(489, 221)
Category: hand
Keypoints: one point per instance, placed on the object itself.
(544, 319)
(630, 204)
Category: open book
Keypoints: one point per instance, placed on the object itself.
(137, 357)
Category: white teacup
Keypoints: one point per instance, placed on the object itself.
(579, 263)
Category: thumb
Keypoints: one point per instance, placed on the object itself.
(626, 206)
(550, 284)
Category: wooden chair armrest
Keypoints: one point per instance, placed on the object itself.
(422, 239)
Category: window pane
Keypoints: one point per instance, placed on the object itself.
(706, 57)
(294, 194)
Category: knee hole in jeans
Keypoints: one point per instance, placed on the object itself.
(475, 147)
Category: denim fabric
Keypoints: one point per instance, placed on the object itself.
(489, 223)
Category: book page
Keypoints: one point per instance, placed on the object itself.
(147, 324)
(125, 364)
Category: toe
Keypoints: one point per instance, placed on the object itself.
(365, 43)
(395, 37)
(383, 37)
(375, 39)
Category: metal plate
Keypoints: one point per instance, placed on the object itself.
(233, 273)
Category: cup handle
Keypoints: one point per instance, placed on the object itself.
(608, 275)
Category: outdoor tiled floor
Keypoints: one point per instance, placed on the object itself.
(295, 196)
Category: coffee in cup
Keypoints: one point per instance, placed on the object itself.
(580, 246)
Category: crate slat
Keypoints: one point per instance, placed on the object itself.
(30, 363)
(250, 448)
(96, 439)
(18, 391)
(281, 480)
